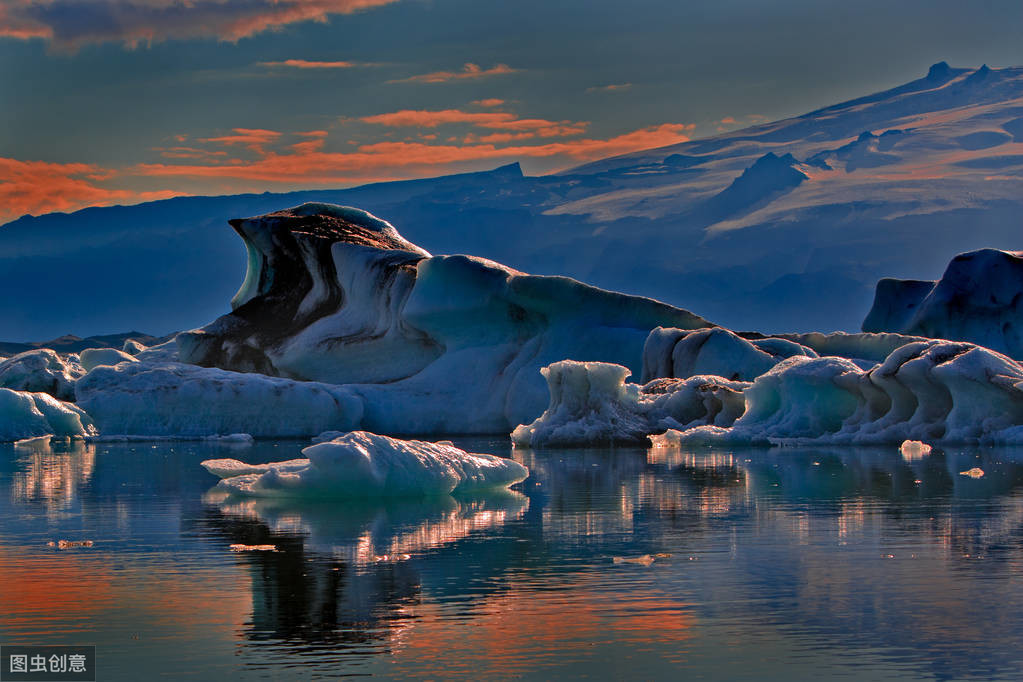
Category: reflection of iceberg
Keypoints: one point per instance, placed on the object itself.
(361, 464)
(53, 473)
(368, 532)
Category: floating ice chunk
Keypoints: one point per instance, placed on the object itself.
(228, 468)
(26, 415)
(591, 404)
(94, 357)
(975, 472)
(170, 399)
(41, 371)
(237, 547)
(936, 391)
(34, 443)
(361, 464)
(914, 449)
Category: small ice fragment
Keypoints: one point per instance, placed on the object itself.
(69, 544)
(644, 560)
(914, 449)
(253, 548)
(975, 472)
(33, 443)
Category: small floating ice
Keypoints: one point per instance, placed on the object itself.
(361, 464)
(69, 544)
(914, 449)
(975, 472)
(253, 548)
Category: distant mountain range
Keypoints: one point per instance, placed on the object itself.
(784, 226)
(70, 343)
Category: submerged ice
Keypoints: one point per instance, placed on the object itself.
(361, 464)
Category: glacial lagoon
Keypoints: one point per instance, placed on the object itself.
(784, 563)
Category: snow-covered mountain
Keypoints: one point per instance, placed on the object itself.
(784, 226)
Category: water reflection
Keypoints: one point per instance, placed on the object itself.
(794, 562)
(52, 473)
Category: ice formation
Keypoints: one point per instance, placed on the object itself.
(680, 353)
(592, 405)
(28, 415)
(331, 291)
(170, 399)
(979, 299)
(41, 371)
(95, 357)
(933, 391)
(360, 464)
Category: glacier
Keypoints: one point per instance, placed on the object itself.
(360, 464)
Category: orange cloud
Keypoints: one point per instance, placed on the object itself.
(404, 159)
(304, 64)
(413, 118)
(254, 138)
(73, 23)
(39, 187)
(469, 71)
(610, 88)
(489, 102)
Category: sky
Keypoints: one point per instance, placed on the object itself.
(121, 101)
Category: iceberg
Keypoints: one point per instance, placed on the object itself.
(25, 415)
(931, 391)
(430, 344)
(41, 371)
(978, 299)
(592, 405)
(95, 357)
(361, 464)
(173, 399)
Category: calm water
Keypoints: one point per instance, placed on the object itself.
(784, 563)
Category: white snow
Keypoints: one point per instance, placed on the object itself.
(592, 405)
(28, 415)
(361, 464)
(95, 357)
(41, 370)
(933, 391)
(169, 399)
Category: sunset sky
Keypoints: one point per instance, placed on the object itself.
(121, 101)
